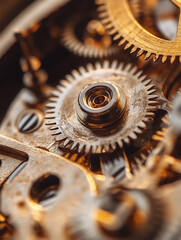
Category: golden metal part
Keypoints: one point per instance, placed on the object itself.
(119, 20)
(124, 184)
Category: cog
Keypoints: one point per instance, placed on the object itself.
(98, 219)
(85, 36)
(119, 21)
(99, 108)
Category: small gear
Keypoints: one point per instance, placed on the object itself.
(84, 35)
(119, 21)
(98, 109)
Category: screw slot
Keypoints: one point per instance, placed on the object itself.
(44, 189)
(29, 121)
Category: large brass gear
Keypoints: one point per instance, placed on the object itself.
(76, 123)
(119, 20)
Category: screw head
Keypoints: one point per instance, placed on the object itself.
(29, 121)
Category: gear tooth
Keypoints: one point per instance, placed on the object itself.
(87, 148)
(50, 122)
(109, 26)
(107, 147)
(114, 146)
(133, 50)
(172, 59)
(105, 21)
(94, 148)
(90, 67)
(120, 143)
(116, 37)
(106, 64)
(99, 149)
(82, 70)
(50, 111)
(139, 75)
(98, 65)
(137, 130)
(128, 45)
(76, 74)
(60, 137)
(112, 31)
(55, 93)
(56, 132)
(133, 135)
(114, 64)
(101, 8)
(142, 124)
(149, 87)
(140, 52)
(148, 55)
(103, 14)
(52, 99)
(122, 42)
(147, 82)
(150, 114)
(53, 128)
(59, 88)
(134, 70)
(74, 144)
(128, 67)
(64, 83)
(81, 147)
(143, 78)
(121, 65)
(143, 156)
(156, 57)
(66, 142)
(152, 91)
(126, 140)
(69, 78)
(153, 102)
(49, 116)
(151, 108)
(164, 58)
(50, 105)
(152, 97)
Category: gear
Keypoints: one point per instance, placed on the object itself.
(98, 109)
(119, 20)
(85, 36)
(135, 7)
(118, 214)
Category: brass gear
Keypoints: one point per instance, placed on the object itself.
(119, 21)
(89, 46)
(101, 128)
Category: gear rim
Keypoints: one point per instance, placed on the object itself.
(147, 44)
(67, 136)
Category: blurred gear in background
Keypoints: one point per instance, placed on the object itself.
(92, 153)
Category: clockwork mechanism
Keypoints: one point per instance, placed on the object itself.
(90, 114)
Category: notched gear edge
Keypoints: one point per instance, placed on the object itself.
(58, 95)
(129, 32)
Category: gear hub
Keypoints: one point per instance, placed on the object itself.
(100, 105)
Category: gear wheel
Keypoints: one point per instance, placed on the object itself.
(98, 109)
(86, 36)
(111, 216)
(119, 21)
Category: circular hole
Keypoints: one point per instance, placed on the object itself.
(44, 189)
(98, 100)
(98, 97)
